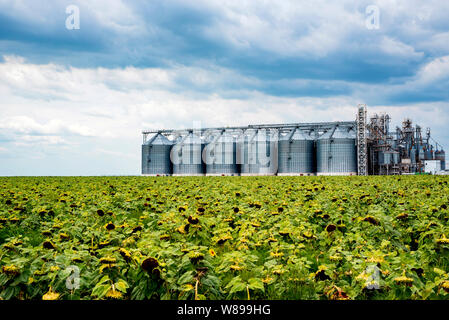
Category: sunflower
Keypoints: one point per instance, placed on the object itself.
(278, 271)
(149, 264)
(331, 228)
(125, 254)
(48, 245)
(212, 252)
(335, 258)
(195, 256)
(224, 239)
(193, 220)
(104, 243)
(164, 237)
(109, 226)
(11, 270)
(46, 233)
(64, 236)
(50, 295)
(107, 260)
(54, 268)
(77, 260)
(402, 216)
(308, 234)
(236, 267)
(267, 279)
(182, 229)
(138, 228)
(443, 240)
(276, 254)
(100, 212)
(371, 220)
(107, 266)
(321, 274)
(445, 285)
(404, 280)
(113, 294)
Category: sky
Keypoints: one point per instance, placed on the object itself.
(75, 97)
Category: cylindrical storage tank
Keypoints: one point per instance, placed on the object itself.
(337, 152)
(296, 153)
(156, 156)
(258, 152)
(220, 155)
(186, 156)
(441, 155)
(428, 155)
(421, 153)
(395, 157)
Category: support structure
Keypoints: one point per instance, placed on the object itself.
(362, 149)
(317, 128)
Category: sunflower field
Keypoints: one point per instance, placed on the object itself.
(224, 238)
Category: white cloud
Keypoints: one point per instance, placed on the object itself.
(27, 125)
(96, 115)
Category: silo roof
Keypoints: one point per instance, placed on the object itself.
(159, 139)
(339, 133)
(296, 134)
(192, 139)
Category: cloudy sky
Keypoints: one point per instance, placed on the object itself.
(74, 101)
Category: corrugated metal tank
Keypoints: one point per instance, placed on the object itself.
(421, 153)
(296, 153)
(220, 155)
(156, 156)
(428, 154)
(441, 155)
(186, 156)
(337, 152)
(258, 152)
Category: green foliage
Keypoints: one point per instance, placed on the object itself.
(224, 237)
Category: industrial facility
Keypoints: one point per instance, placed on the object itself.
(361, 147)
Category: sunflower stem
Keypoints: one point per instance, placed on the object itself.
(196, 289)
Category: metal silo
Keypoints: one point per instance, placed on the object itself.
(258, 152)
(337, 152)
(220, 155)
(296, 153)
(156, 156)
(186, 156)
(441, 155)
(428, 155)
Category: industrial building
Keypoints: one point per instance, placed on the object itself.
(361, 147)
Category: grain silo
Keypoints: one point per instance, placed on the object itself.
(186, 156)
(363, 147)
(337, 152)
(296, 153)
(156, 156)
(258, 152)
(441, 155)
(220, 155)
